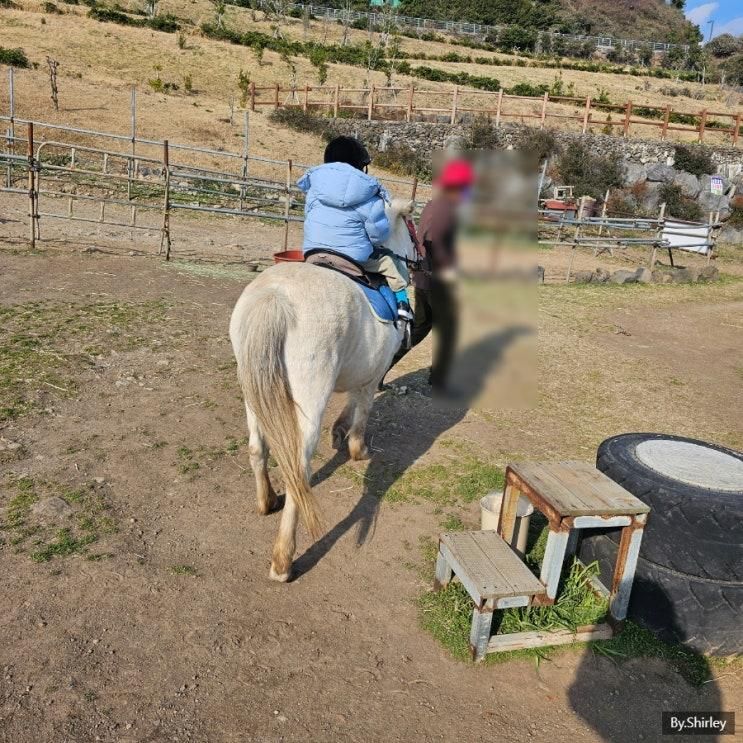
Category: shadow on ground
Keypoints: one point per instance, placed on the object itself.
(408, 432)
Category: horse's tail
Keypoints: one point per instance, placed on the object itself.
(262, 333)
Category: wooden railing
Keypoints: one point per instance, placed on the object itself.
(408, 104)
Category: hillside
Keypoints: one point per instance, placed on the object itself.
(634, 19)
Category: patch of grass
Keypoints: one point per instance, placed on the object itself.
(13, 57)
(636, 642)
(90, 519)
(186, 462)
(452, 522)
(63, 544)
(467, 480)
(447, 615)
(212, 271)
(183, 570)
(42, 346)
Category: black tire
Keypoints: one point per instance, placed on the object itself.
(701, 614)
(692, 529)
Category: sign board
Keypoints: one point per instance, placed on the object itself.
(694, 238)
(716, 186)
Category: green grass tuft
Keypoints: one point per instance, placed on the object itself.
(444, 485)
(44, 346)
(183, 570)
(63, 544)
(91, 519)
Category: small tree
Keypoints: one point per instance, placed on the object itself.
(318, 59)
(724, 46)
(243, 85)
(53, 64)
(220, 8)
(734, 69)
(259, 47)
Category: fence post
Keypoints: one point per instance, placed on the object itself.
(702, 124)
(336, 100)
(736, 131)
(246, 145)
(498, 108)
(370, 112)
(252, 96)
(287, 203)
(544, 110)
(165, 232)
(415, 188)
(276, 96)
(31, 186)
(627, 118)
(587, 114)
(658, 235)
(306, 97)
(454, 97)
(409, 112)
(131, 165)
(11, 129)
(666, 119)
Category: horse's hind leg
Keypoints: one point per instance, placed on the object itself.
(343, 423)
(312, 403)
(258, 449)
(363, 399)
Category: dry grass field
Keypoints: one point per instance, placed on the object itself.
(100, 61)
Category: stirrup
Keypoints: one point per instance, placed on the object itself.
(407, 340)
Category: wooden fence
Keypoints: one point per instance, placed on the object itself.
(409, 104)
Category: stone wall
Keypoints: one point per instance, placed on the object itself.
(427, 138)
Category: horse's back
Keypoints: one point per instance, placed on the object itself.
(331, 324)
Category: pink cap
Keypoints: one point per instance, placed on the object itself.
(456, 174)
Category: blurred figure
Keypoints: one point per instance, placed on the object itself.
(435, 301)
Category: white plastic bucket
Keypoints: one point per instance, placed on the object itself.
(490, 507)
(490, 511)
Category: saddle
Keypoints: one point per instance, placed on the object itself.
(380, 297)
(345, 265)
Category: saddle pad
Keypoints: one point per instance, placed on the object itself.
(382, 302)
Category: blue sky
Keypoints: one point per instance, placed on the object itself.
(727, 15)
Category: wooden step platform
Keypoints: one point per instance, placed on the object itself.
(493, 574)
(573, 496)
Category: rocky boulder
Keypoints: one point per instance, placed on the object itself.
(660, 173)
(624, 276)
(688, 183)
(634, 173)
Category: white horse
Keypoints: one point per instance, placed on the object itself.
(299, 333)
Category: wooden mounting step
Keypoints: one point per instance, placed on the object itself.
(493, 574)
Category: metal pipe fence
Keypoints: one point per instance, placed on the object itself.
(462, 28)
(73, 169)
(603, 233)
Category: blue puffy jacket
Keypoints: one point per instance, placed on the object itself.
(344, 210)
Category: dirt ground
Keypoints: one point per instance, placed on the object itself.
(156, 620)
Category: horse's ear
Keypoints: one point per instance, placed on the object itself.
(402, 207)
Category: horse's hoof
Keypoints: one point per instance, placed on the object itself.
(280, 577)
(358, 452)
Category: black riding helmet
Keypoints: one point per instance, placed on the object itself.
(347, 150)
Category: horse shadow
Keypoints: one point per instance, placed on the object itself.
(406, 437)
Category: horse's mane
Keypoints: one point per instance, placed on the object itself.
(399, 241)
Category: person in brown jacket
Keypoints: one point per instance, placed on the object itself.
(435, 297)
